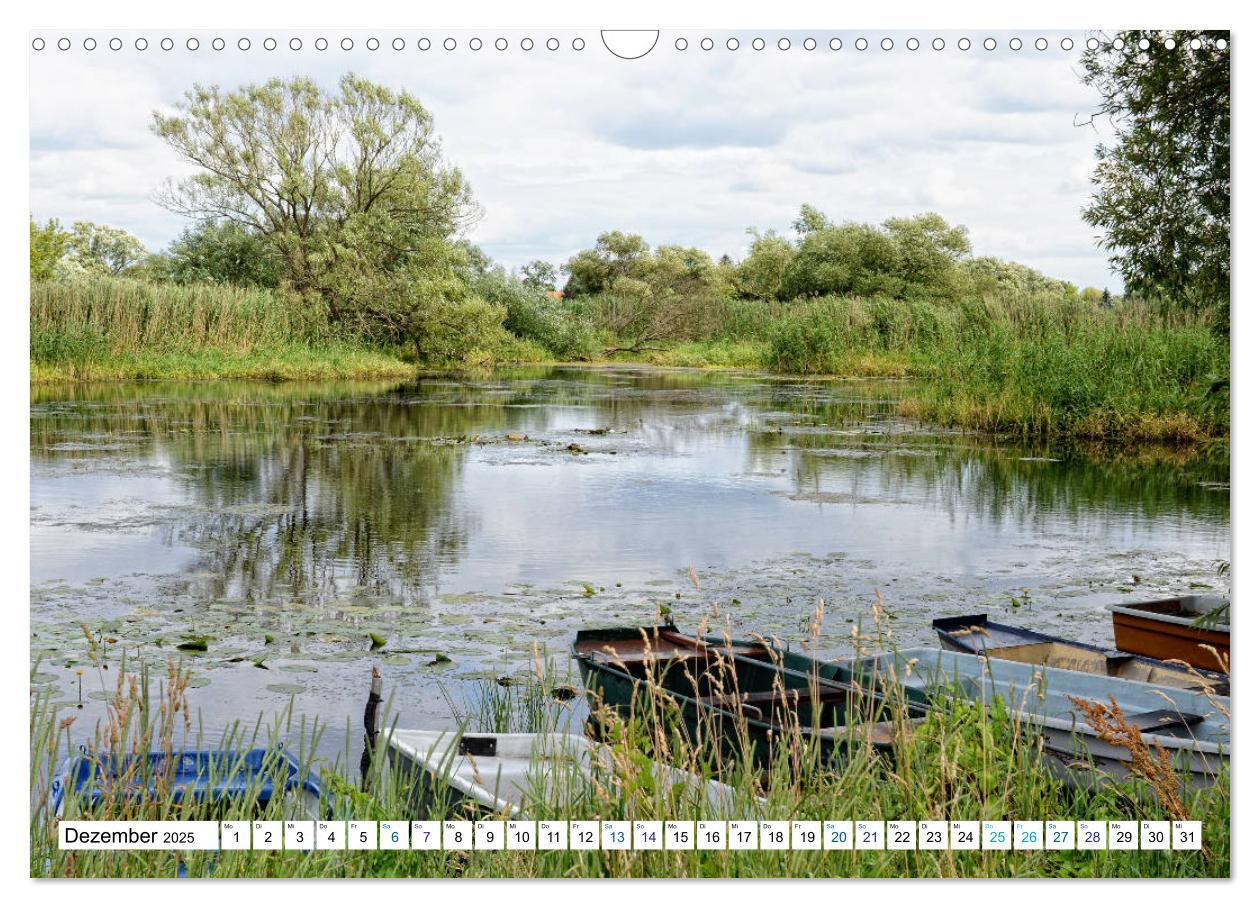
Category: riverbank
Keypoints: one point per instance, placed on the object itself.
(1048, 367)
(1007, 411)
(288, 363)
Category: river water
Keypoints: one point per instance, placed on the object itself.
(473, 522)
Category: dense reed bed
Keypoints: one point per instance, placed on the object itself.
(115, 329)
(1035, 366)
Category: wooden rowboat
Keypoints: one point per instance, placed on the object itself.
(1188, 628)
(978, 635)
(745, 692)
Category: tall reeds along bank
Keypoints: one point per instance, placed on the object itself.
(110, 328)
(1038, 365)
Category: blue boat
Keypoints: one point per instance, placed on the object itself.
(221, 777)
(978, 635)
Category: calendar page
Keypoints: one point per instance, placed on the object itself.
(710, 451)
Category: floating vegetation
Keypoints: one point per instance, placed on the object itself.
(290, 689)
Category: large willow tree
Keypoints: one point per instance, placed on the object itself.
(1162, 190)
(348, 188)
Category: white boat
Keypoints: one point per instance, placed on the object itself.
(505, 774)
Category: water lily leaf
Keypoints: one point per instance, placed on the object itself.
(377, 640)
(286, 688)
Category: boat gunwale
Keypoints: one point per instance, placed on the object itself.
(945, 628)
(443, 769)
(1074, 725)
(823, 732)
(1220, 627)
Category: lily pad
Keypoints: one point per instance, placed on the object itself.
(286, 688)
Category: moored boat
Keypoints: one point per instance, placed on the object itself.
(1193, 629)
(735, 693)
(508, 774)
(1192, 727)
(231, 780)
(978, 635)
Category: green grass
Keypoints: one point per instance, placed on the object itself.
(965, 761)
(287, 363)
(706, 354)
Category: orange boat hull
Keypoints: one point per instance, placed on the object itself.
(1163, 640)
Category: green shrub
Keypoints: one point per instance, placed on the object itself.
(533, 315)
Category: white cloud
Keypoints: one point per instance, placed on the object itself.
(689, 147)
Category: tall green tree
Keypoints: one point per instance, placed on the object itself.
(539, 275)
(763, 272)
(343, 183)
(616, 255)
(1162, 190)
(904, 257)
(48, 245)
(425, 302)
(102, 248)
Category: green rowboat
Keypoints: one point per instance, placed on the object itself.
(737, 694)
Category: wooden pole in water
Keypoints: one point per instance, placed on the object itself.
(371, 726)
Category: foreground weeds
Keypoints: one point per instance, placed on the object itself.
(962, 760)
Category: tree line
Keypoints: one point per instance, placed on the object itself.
(343, 203)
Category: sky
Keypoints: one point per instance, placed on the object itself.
(686, 146)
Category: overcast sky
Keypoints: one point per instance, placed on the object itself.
(689, 146)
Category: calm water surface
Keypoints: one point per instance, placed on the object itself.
(478, 518)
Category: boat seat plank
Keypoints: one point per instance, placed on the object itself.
(1162, 718)
(769, 698)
